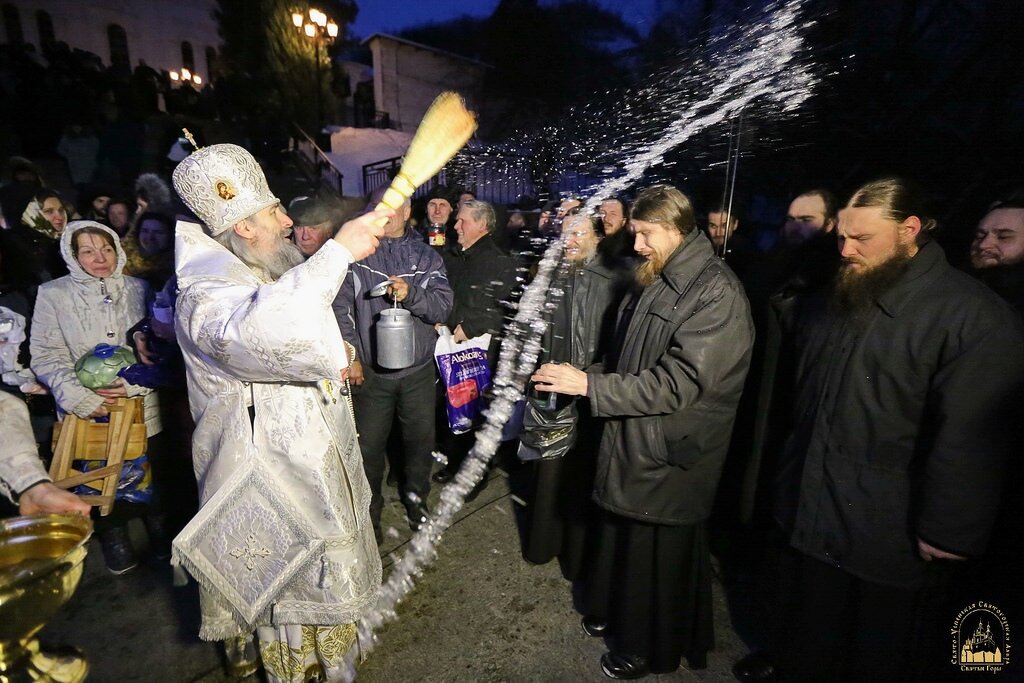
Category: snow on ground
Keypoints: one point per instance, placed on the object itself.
(352, 148)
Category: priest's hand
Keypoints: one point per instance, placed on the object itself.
(355, 373)
(361, 235)
(561, 379)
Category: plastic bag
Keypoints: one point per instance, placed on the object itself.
(134, 486)
(548, 432)
(465, 374)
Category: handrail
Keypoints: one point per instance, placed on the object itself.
(380, 173)
(500, 178)
(321, 162)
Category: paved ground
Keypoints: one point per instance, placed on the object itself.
(480, 613)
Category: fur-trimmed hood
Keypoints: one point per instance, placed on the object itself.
(156, 191)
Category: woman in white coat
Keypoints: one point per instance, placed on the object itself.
(94, 304)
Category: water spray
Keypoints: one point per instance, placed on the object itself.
(765, 69)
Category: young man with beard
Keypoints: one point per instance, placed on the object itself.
(997, 252)
(282, 544)
(681, 347)
(908, 380)
(617, 246)
(732, 246)
(997, 259)
(614, 215)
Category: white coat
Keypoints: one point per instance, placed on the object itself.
(283, 535)
(76, 312)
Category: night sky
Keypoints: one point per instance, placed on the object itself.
(387, 16)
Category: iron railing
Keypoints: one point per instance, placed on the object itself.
(315, 162)
(380, 173)
(498, 178)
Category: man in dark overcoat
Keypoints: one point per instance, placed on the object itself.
(907, 389)
(683, 344)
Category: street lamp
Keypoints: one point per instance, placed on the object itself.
(320, 30)
(184, 75)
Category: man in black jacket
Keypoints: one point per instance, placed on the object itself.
(482, 277)
(907, 395)
(683, 345)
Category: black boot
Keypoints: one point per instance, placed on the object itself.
(444, 475)
(117, 550)
(757, 666)
(159, 539)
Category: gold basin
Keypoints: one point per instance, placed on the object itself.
(41, 563)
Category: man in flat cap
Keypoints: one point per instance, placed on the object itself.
(282, 544)
(315, 219)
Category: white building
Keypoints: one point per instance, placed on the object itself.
(407, 76)
(167, 35)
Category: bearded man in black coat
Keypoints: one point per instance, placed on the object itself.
(906, 403)
(682, 349)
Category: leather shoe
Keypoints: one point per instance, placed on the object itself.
(624, 667)
(417, 514)
(443, 475)
(755, 667)
(594, 627)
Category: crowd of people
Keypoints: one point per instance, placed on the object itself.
(845, 396)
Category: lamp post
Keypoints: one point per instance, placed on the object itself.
(184, 76)
(321, 31)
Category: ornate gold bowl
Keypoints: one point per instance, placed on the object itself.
(41, 563)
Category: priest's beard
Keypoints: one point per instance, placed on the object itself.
(650, 269)
(857, 291)
(268, 262)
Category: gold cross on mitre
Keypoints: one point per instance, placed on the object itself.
(188, 136)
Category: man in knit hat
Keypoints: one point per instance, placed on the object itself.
(282, 544)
